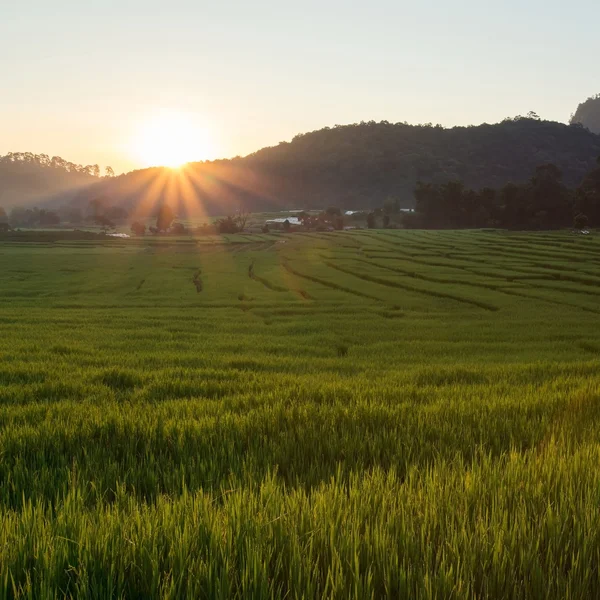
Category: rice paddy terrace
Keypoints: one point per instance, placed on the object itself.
(365, 414)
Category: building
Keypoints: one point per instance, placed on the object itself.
(279, 223)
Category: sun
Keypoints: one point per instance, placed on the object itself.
(171, 139)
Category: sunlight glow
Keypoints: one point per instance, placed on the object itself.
(171, 139)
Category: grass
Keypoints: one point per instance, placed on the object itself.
(359, 415)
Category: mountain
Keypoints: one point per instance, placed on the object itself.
(354, 166)
(588, 114)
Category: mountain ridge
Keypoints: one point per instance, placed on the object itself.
(353, 166)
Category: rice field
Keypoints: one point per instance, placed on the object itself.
(366, 414)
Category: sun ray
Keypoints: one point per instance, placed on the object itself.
(149, 200)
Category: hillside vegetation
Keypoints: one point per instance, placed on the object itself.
(368, 414)
(27, 178)
(359, 166)
(355, 166)
(588, 114)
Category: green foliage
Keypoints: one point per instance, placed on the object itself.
(366, 414)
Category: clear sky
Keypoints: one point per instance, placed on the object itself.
(83, 79)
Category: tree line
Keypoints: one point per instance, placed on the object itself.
(98, 211)
(27, 179)
(44, 161)
(543, 202)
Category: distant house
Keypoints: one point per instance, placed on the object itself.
(278, 223)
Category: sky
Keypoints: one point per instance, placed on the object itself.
(86, 81)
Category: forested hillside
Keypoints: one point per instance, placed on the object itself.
(588, 114)
(26, 177)
(359, 166)
(353, 166)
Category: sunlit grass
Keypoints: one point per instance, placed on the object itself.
(398, 414)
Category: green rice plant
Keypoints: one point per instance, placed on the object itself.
(374, 429)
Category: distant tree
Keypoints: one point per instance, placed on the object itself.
(548, 198)
(287, 226)
(70, 214)
(116, 213)
(412, 220)
(338, 223)
(580, 221)
(3, 216)
(227, 225)
(371, 220)
(430, 204)
(104, 223)
(178, 229)
(241, 218)
(4, 227)
(109, 172)
(512, 207)
(587, 196)
(138, 228)
(232, 223)
(97, 206)
(391, 206)
(164, 218)
(19, 216)
(386, 221)
(333, 211)
(47, 217)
